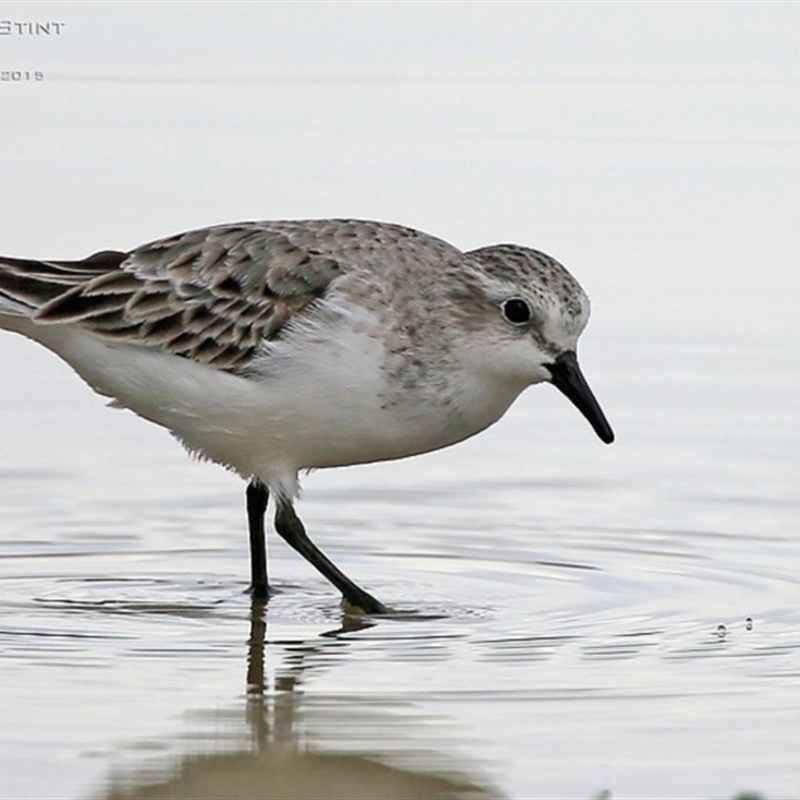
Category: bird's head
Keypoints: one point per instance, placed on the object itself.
(532, 312)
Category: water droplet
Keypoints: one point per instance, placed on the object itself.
(748, 623)
(722, 631)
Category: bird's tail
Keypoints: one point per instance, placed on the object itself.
(27, 284)
(18, 284)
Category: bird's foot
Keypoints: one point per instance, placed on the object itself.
(364, 603)
(258, 591)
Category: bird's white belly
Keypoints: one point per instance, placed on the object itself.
(319, 401)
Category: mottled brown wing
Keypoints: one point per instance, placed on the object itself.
(214, 294)
(210, 295)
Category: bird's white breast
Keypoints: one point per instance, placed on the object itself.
(316, 398)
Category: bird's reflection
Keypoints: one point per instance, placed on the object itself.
(289, 741)
(287, 680)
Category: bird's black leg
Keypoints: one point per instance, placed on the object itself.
(257, 499)
(290, 528)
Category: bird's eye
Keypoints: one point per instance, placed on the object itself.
(517, 311)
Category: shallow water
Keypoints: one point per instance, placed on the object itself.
(570, 619)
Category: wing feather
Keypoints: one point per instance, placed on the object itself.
(214, 295)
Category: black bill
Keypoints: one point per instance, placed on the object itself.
(568, 379)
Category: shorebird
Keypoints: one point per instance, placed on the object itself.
(276, 347)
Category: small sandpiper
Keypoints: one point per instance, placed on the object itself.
(275, 347)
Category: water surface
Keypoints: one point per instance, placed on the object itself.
(570, 619)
